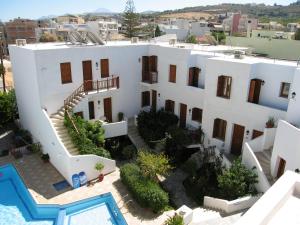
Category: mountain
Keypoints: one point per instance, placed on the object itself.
(148, 12)
(102, 10)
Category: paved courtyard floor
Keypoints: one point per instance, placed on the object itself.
(40, 177)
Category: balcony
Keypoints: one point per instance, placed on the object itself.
(101, 85)
(115, 129)
(149, 77)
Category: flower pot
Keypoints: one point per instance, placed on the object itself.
(100, 177)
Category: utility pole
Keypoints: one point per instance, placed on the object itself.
(2, 67)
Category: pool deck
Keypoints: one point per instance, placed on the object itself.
(40, 177)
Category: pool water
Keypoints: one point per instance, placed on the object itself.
(17, 206)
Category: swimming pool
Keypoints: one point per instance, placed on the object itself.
(17, 207)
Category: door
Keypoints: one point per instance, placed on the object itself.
(145, 68)
(79, 114)
(182, 119)
(91, 110)
(254, 91)
(104, 68)
(154, 99)
(281, 167)
(193, 76)
(237, 139)
(108, 109)
(87, 75)
(256, 133)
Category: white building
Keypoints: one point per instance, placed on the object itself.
(200, 28)
(104, 28)
(230, 96)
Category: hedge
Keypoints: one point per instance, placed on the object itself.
(145, 191)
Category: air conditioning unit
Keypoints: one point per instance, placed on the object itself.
(134, 40)
(172, 41)
(20, 42)
(238, 54)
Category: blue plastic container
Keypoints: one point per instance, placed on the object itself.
(76, 181)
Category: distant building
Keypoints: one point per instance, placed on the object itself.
(200, 28)
(231, 24)
(292, 27)
(40, 31)
(69, 19)
(246, 23)
(104, 28)
(21, 29)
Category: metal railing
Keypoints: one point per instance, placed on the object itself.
(150, 77)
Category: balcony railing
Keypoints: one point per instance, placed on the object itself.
(149, 77)
(98, 85)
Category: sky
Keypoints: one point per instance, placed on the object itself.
(34, 9)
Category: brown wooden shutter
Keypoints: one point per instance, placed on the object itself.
(223, 124)
(220, 86)
(197, 114)
(228, 86)
(145, 68)
(191, 76)
(153, 63)
(196, 76)
(66, 74)
(172, 108)
(145, 98)
(104, 68)
(251, 91)
(172, 77)
(216, 128)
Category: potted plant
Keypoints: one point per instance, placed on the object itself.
(120, 116)
(270, 123)
(99, 167)
(45, 157)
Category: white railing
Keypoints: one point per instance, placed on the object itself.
(230, 206)
(250, 161)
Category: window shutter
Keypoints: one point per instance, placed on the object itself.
(216, 128)
(104, 68)
(153, 63)
(66, 74)
(191, 76)
(172, 77)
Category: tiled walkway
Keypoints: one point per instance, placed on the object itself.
(40, 177)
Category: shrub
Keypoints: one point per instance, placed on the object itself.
(153, 164)
(175, 220)
(99, 167)
(146, 192)
(8, 107)
(128, 152)
(90, 139)
(237, 181)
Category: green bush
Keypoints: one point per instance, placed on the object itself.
(128, 152)
(175, 220)
(146, 192)
(153, 125)
(90, 139)
(8, 107)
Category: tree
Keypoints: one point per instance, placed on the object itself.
(157, 31)
(237, 181)
(153, 164)
(130, 20)
(192, 39)
(8, 107)
(297, 34)
(219, 36)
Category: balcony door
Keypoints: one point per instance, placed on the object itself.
(254, 91)
(182, 119)
(237, 139)
(107, 109)
(154, 99)
(87, 75)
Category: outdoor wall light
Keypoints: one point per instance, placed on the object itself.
(97, 65)
(158, 94)
(247, 132)
(99, 102)
(190, 111)
(262, 82)
(293, 95)
(139, 60)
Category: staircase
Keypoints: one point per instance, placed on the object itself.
(264, 159)
(135, 137)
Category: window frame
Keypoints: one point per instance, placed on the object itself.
(145, 98)
(282, 87)
(197, 114)
(224, 82)
(219, 129)
(171, 104)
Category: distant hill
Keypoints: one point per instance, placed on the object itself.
(256, 10)
(102, 10)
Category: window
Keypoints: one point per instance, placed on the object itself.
(65, 72)
(153, 63)
(194, 76)
(284, 90)
(145, 98)
(197, 115)
(219, 129)
(170, 106)
(104, 68)
(172, 74)
(224, 86)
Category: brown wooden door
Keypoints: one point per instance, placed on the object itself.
(194, 76)
(145, 68)
(254, 91)
(256, 133)
(237, 139)
(108, 109)
(281, 167)
(87, 75)
(154, 99)
(182, 120)
(153, 63)
(91, 110)
(104, 68)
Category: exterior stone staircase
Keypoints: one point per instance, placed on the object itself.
(264, 159)
(135, 137)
